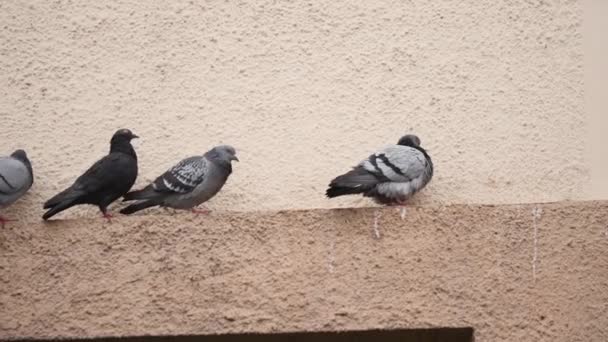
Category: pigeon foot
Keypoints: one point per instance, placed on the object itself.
(108, 217)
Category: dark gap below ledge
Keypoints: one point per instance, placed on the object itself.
(400, 335)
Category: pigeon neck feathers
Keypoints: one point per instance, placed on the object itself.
(422, 150)
(219, 159)
(413, 141)
(224, 164)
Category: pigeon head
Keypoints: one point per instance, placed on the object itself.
(223, 153)
(21, 155)
(121, 142)
(124, 134)
(409, 140)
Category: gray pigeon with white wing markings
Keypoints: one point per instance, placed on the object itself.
(390, 176)
(16, 178)
(188, 184)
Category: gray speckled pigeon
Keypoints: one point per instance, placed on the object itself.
(16, 178)
(188, 184)
(390, 176)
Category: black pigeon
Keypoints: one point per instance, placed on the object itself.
(390, 176)
(107, 180)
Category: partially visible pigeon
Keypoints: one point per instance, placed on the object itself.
(107, 180)
(188, 184)
(16, 178)
(390, 176)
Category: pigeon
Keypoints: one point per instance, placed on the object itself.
(188, 184)
(107, 180)
(16, 178)
(390, 176)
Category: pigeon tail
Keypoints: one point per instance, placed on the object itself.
(61, 202)
(67, 195)
(356, 181)
(336, 191)
(59, 208)
(145, 193)
(139, 206)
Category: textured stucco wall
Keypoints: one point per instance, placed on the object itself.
(304, 90)
(509, 274)
(596, 102)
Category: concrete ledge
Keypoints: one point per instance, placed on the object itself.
(516, 272)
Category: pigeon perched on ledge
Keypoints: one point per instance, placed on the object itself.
(188, 184)
(390, 176)
(107, 180)
(16, 178)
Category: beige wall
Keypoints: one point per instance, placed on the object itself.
(304, 90)
(596, 101)
(508, 273)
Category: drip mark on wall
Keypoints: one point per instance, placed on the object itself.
(536, 213)
(331, 258)
(403, 212)
(376, 218)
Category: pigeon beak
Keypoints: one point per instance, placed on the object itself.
(133, 136)
(234, 158)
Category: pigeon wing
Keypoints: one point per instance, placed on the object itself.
(396, 164)
(183, 177)
(108, 172)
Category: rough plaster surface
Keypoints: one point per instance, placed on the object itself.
(304, 89)
(513, 272)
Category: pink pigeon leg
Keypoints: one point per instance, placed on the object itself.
(203, 211)
(108, 217)
(4, 221)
